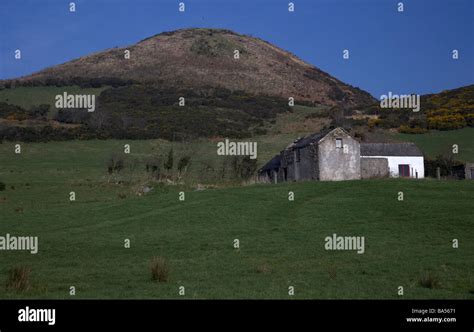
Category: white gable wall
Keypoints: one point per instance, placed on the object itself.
(416, 165)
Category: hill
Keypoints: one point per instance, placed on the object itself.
(138, 98)
(195, 58)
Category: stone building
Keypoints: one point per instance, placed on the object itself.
(334, 155)
(392, 159)
(328, 155)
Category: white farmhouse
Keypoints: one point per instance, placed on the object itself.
(399, 159)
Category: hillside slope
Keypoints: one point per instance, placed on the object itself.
(445, 110)
(194, 58)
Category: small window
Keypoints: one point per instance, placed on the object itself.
(298, 156)
(339, 143)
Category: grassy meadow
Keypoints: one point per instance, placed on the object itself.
(27, 97)
(436, 142)
(81, 243)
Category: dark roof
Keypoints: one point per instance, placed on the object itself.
(389, 149)
(302, 142)
(274, 163)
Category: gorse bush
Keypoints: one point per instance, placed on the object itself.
(447, 122)
(412, 130)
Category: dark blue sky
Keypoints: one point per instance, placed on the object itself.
(406, 52)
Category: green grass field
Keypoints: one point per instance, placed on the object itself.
(81, 243)
(27, 97)
(70, 160)
(440, 142)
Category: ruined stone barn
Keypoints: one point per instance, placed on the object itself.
(334, 155)
(391, 159)
(328, 155)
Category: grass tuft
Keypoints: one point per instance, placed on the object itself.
(160, 269)
(264, 268)
(19, 278)
(429, 280)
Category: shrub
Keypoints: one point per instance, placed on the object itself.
(115, 164)
(412, 130)
(40, 111)
(19, 278)
(448, 166)
(160, 269)
(183, 163)
(374, 122)
(316, 115)
(248, 167)
(360, 136)
(260, 131)
(446, 122)
(469, 119)
(153, 165)
(2, 186)
(242, 167)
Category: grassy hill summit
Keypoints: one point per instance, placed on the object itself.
(193, 58)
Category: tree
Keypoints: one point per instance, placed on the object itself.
(243, 167)
(446, 162)
(248, 167)
(169, 161)
(183, 164)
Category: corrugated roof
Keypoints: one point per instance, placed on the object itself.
(390, 149)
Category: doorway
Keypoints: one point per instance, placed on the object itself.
(404, 170)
